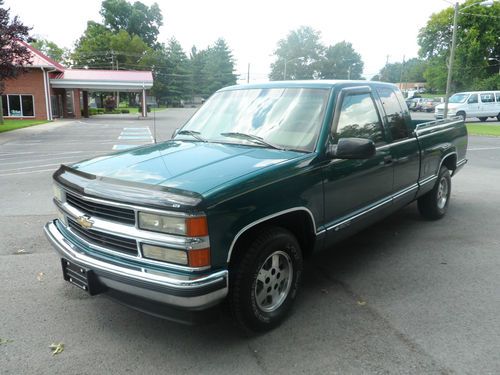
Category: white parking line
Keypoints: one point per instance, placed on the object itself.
(30, 172)
(483, 148)
(36, 166)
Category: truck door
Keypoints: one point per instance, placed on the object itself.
(356, 190)
(403, 145)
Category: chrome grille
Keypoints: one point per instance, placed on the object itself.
(122, 215)
(109, 241)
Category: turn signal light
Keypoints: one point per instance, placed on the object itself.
(197, 226)
(199, 257)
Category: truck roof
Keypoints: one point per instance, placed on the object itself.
(325, 84)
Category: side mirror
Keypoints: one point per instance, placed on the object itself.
(352, 148)
(174, 133)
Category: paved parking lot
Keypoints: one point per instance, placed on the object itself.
(405, 296)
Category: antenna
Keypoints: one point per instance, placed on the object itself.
(154, 125)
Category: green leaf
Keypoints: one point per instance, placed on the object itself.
(57, 348)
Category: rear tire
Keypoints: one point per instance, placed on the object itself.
(264, 280)
(483, 119)
(498, 117)
(434, 204)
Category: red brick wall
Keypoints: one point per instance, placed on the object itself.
(76, 96)
(30, 83)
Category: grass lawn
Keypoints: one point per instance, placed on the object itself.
(475, 129)
(18, 124)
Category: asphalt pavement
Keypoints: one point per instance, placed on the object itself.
(406, 296)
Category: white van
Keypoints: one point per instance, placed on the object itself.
(480, 104)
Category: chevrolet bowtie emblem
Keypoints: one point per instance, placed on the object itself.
(85, 221)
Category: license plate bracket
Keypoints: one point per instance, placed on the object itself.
(81, 277)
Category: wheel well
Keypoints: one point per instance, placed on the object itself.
(450, 162)
(299, 223)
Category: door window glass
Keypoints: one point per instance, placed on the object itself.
(472, 99)
(498, 97)
(359, 119)
(394, 113)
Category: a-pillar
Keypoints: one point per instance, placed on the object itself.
(144, 106)
(85, 104)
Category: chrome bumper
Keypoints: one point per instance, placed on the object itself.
(190, 292)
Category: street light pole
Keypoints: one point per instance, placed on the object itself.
(286, 62)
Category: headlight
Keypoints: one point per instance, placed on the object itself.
(58, 192)
(191, 226)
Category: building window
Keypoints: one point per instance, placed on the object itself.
(18, 106)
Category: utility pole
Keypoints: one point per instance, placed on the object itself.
(450, 63)
(349, 72)
(248, 73)
(386, 70)
(401, 74)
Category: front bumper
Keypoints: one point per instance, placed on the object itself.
(190, 293)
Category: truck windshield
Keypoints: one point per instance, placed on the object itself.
(458, 98)
(287, 118)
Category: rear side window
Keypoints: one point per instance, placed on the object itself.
(488, 98)
(394, 113)
(359, 119)
(498, 97)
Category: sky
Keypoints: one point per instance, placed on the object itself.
(379, 30)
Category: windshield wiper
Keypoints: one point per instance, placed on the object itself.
(250, 137)
(193, 134)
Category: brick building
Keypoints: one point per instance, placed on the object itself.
(48, 90)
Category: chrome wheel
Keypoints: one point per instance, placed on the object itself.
(442, 193)
(273, 282)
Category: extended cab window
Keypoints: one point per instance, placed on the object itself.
(359, 119)
(394, 113)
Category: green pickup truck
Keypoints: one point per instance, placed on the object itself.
(261, 177)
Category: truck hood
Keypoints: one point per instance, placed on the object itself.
(190, 166)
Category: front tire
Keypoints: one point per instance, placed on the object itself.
(264, 280)
(483, 119)
(434, 204)
(463, 115)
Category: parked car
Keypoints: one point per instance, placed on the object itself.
(260, 178)
(480, 104)
(429, 105)
(414, 104)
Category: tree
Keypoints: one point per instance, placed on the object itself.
(137, 19)
(218, 68)
(341, 61)
(101, 48)
(406, 71)
(178, 73)
(197, 62)
(51, 49)
(301, 53)
(477, 41)
(13, 55)
(93, 48)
